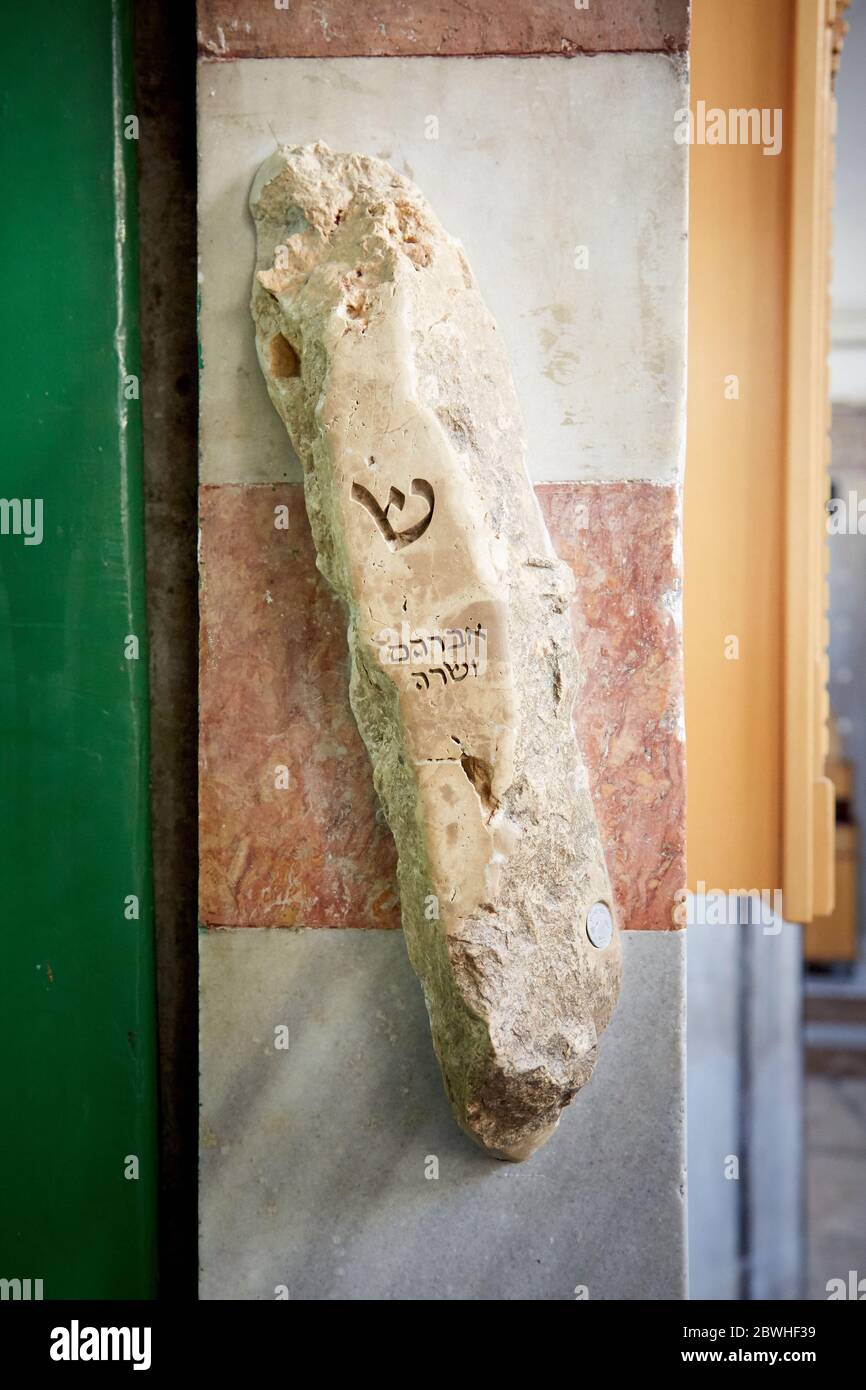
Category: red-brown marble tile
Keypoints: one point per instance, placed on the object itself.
(622, 540)
(229, 29)
(274, 692)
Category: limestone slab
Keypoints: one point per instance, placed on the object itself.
(313, 1159)
(388, 371)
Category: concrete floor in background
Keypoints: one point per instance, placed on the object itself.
(836, 1179)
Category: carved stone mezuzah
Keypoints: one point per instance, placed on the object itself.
(388, 371)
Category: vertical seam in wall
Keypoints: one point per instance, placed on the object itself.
(804, 1244)
(744, 1100)
(164, 73)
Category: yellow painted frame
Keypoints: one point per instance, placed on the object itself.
(760, 812)
(809, 802)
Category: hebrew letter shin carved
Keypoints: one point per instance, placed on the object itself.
(396, 539)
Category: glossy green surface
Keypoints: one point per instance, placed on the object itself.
(77, 1087)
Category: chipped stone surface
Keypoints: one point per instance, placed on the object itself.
(386, 367)
(339, 28)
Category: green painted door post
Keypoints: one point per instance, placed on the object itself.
(78, 1153)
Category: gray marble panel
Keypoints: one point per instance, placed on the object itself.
(319, 1160)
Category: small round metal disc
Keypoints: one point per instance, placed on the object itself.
(599, 925)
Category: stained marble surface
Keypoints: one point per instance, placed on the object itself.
(290, 833)
(332, 1169)
(622, 543)
(309, 847)
(336, 28)
(314, 1159)
(563, 181)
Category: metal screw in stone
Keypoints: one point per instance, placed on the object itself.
(599, 925)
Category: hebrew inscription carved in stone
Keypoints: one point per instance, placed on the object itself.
(469, 644)
(387, 369)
